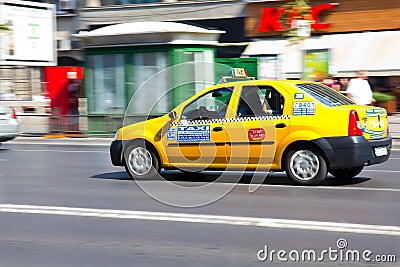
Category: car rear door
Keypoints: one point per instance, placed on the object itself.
(259, 123)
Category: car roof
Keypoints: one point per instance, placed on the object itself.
(257, 82)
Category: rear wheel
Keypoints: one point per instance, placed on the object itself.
(305, 165)
(346, 173)
(141, 162)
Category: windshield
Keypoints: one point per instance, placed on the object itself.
(212, 105)
(325, 95)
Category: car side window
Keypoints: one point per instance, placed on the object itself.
(212, 105)
(260, 101)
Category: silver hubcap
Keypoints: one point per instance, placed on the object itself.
(140, 161)
(304, 165)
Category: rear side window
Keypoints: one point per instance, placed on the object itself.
(259, 101)
(325, 95)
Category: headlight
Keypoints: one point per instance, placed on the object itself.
(116, 136)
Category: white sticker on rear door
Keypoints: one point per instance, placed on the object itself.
(303, 108)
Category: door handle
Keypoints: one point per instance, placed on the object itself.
(218, 129)
(280, 125)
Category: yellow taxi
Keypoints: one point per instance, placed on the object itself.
(303, 128)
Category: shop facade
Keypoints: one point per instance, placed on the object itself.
(346, 36)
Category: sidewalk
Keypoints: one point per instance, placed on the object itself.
(83, 141)
(394, 126)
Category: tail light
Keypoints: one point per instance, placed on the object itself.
(13, 114)
(354, 124)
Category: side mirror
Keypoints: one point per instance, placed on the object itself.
(172, 115)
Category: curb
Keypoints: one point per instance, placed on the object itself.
(61, 140)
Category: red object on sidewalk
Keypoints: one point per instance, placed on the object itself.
(57, 80)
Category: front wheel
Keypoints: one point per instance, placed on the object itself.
(305, 166)
(346, 173)
(141, 162)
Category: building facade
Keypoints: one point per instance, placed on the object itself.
(116, 68)
(24, 79)
(346, 36)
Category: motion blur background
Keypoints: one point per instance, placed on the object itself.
(72, 67)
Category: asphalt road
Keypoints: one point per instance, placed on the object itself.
(118, 224)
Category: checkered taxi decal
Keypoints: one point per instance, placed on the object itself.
(259, 118)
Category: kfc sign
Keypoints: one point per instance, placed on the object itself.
(271, 18)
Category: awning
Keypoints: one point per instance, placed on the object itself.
(149, 33)
(377, 52)
(272, 47)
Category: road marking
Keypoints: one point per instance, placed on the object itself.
(62, 151)
(380, 171)
(207, 219)
(333, 187)
(43, 142)
(3, 159)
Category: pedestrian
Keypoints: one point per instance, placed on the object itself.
(344, 82)
(359, 89)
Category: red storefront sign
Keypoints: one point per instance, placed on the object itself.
(271, 18)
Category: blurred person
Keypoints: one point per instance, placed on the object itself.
(73, 114)
(344, 82)
(266, 108)
(336, 85)
(328, 81)
(359, 89)
(331, 82)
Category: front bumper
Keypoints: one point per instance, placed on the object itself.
(116, 153)
(352, 151)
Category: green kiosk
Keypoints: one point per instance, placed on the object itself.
(144, 68)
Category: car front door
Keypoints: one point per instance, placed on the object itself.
(198, 139)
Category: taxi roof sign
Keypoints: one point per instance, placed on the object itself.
(239, 73)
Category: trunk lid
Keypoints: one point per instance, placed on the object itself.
(374, 122)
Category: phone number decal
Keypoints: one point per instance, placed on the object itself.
(303, 108)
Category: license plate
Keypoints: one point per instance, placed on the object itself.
(380, 151)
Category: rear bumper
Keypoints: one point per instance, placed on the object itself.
(352, 151)
(116, 153)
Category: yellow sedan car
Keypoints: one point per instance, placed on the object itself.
(303, 128)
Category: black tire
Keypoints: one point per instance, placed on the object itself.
(141, 161)
(346, 173)
(305, 166)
